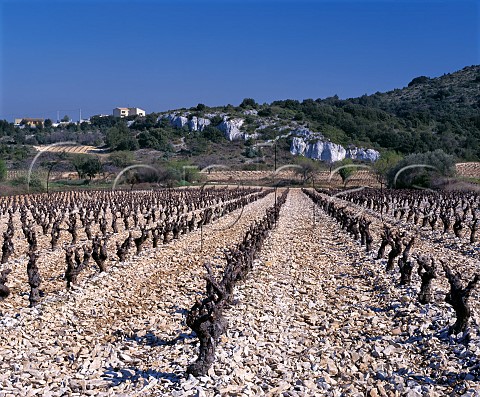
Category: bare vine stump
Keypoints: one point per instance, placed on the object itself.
(88, 229)
(473, 230)
(208, 324)
(458, 226)
(34, 279)
(100, 253)
(139, 241)
(167, 228)
(55, 234)
(4, 290)
(396, 245)
(31, 236)
(191, 223)
(7, 247)
(352, 228)
(103, 226)
(72, 227)
(405, 265)
(114, 223)
(446, 221)
(122, 249)
(368, 235)
(406, 268)
(75, 263)
(156, 234)
(427, 272)
(386, 236)
(206, 320)
(121, 252)
(176, 230)
(458, 298)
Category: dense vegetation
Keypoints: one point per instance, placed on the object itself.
(429, 114)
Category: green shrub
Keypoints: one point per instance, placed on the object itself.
(36, 184)
(121, 158)
(213, 134)
(438, 164)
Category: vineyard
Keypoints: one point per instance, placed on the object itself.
(236, 291)
(70, 149)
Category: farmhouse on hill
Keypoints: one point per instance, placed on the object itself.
(31, 122)
(124, 112)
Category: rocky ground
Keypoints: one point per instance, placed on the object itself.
(316, 317)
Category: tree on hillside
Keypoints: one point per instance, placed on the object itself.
(92, 167)
(121, 159)
(308, 168)
(249, 103)
(51, 162)
(87, 165)
(120, 138)
(104, 122)
(419, 80)
(213, 134)
(216, 120)
(141, 175)
(347, 170)
(383, 165)
(6, 128)
(421, 169)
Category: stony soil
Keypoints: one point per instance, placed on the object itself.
(316, 317)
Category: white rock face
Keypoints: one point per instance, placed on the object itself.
(231, 128)
(194, 124)
(255, 135)
(362, 154)
(177, 121)
(198, 123)
(325, 151)
(313, 145)
(319, 150)
(298, 146)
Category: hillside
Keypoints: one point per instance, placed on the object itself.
(459, 90)
(428, 114)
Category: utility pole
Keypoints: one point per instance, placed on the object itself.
(274, 180)
(275, 155)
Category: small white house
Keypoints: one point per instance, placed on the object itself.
(124, 112)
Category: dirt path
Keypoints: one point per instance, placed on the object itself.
(319, 316)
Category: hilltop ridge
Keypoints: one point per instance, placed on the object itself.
(427, 114)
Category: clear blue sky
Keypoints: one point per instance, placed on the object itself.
(160, 55)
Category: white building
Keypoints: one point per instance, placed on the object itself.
(136, 112)
(124, 112)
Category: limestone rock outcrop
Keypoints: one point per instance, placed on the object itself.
(231, 128)
(314, 146)
(198, 123)
(176, 120)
